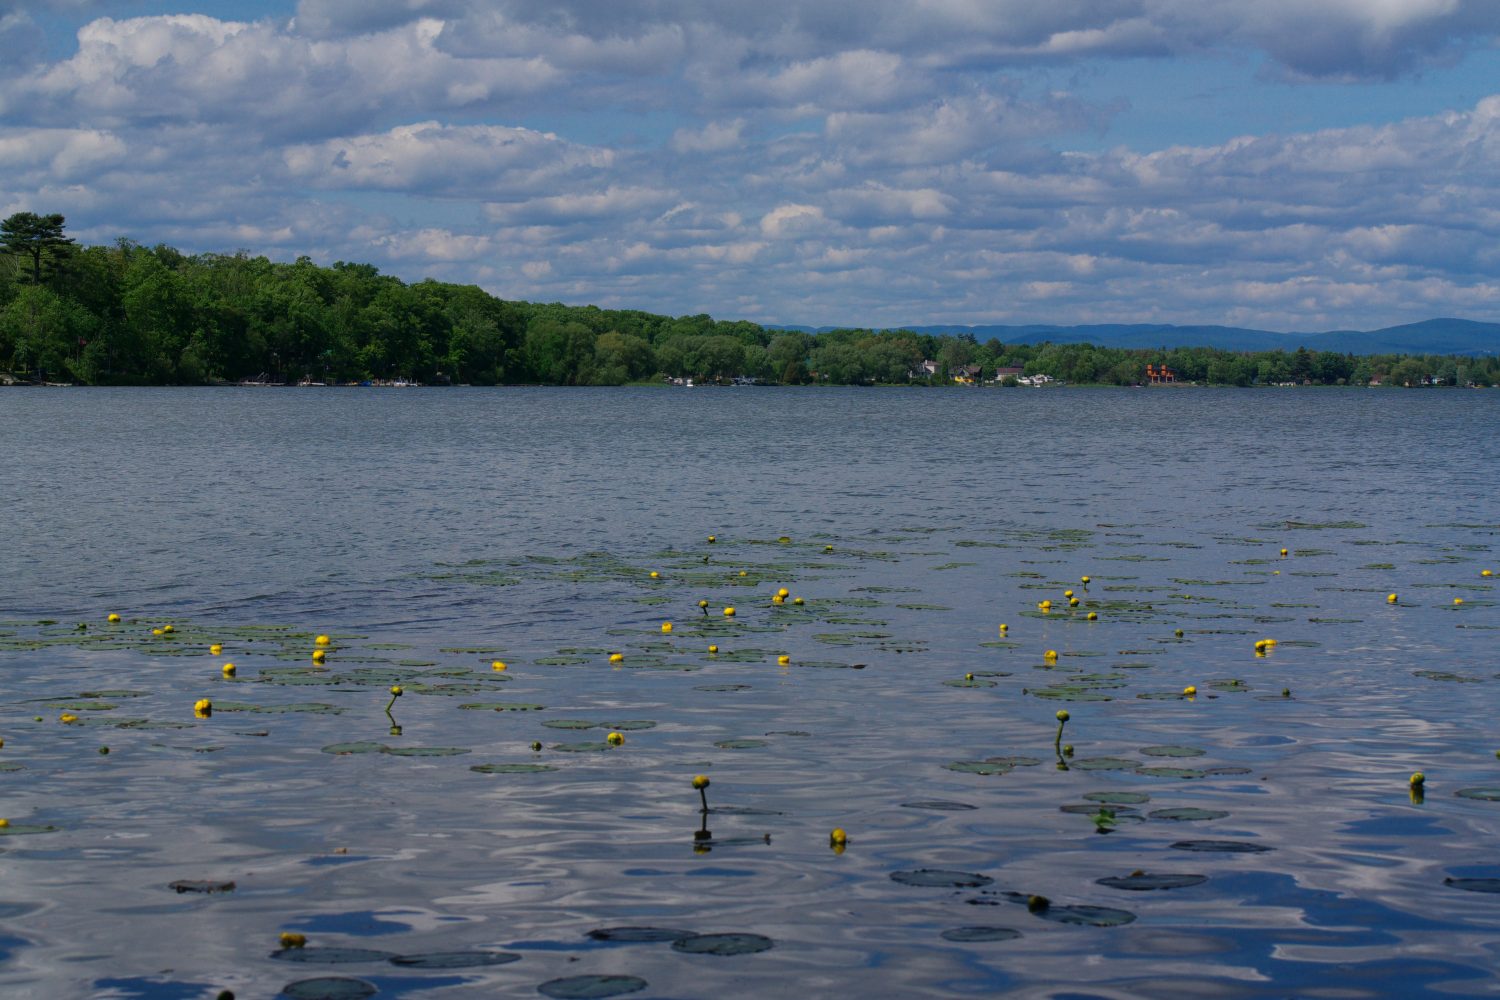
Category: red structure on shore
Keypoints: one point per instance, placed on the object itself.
(1159, 375)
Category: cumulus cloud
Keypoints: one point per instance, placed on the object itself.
(885, 162)
(715, 137)
(59, 154)
(432, 158)
(1317, 38)
(192, 67)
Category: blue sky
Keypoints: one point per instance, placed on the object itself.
(1287, 164)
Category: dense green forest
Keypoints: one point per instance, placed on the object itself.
(133, 315)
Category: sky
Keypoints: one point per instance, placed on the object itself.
(1295, 165)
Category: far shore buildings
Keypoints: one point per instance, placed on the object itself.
(1160, 375)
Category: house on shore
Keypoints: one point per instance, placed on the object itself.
(965, 374)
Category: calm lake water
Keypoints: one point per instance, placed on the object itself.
(1258, 839)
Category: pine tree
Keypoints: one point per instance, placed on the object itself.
(39, 237)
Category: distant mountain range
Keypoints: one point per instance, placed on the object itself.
(1433, 336)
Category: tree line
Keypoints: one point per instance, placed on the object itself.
(127, 314)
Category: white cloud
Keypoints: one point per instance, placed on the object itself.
(429, 157)
(791, 219)
(584, 206)
(196, 68)
(61, 154)
(1320, 38)
(715, 137)
(879, 162)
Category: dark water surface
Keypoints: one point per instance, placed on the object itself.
(432, 532)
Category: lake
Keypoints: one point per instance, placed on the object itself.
(480, 835)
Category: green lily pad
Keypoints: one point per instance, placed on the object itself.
(1172, 772)
(632, 725)
(1220, 847)
(308, 678)
(1474, 884)
(512, 768)
(426, 751)
(331, 956)
(1187, 814)
(328, 988)
(560, 661)
(1093, 809)
(200, 885)
(1118, 798)
(941, 878)
(978, 767)
(24, 829)
(455, 959)
(638, 935)
(974, 934)
(1105, 764)
(456, 689)
(938, 805)
(1142, 882)
(300, 708)
(502, 706)
(1172, 751)
(742, 655)
(961, 683)
(1084, 915)
(1069, 693)
(590, 987)
(362, 746)
(723, 944)
(569, 724)
(1482, 794)
(741, 744)
(588, 747)
(722, 687)
(1087, 916)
